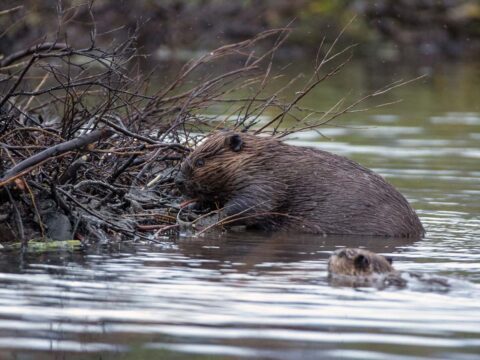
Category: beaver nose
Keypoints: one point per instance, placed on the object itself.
(180, 181)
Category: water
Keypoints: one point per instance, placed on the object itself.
(246, 295)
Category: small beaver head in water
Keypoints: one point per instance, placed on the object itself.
(358, 262)
(359, 268)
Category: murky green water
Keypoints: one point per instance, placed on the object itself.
(250, 296)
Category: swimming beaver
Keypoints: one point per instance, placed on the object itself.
(359, 267)
(358, 262)
(264, 183)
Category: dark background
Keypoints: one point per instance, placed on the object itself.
(393, 30)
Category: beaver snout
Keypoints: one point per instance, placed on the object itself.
(180, 181)
(186, 185)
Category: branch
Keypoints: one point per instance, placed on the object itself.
(31, 50)
(54, 151)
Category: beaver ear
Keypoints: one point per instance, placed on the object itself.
(234, 142)
(361, 262)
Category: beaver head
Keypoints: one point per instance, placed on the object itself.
(211, 171)
(358, 262)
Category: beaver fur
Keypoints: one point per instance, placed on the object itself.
(359, 267)
(358, 262)
(265, 183)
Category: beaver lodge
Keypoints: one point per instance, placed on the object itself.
(89, 150)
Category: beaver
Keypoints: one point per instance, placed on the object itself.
(264, 183)
(360, 267)
(358, 262)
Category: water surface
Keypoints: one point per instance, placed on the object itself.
(247, 295)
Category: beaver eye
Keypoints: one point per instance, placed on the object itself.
(199, 162)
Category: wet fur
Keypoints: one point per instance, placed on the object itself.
(358, 262)
(276, 186)
(359, 267)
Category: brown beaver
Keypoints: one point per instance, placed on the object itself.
(360, 267)
(358, 262)
(264, 183)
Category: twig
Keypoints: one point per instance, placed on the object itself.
(18, 219)
(53, 152)
(31, 50)
(19, 80)
(8, 11)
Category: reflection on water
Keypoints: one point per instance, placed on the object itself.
(248, 295)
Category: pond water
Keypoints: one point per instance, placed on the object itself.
(247, 295)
